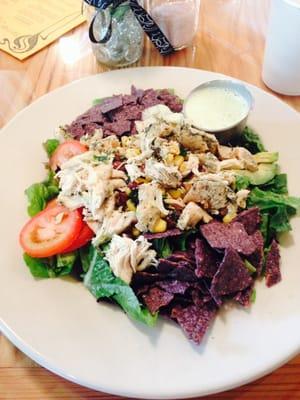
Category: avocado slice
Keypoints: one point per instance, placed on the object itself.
(265, 157)
(264, 174)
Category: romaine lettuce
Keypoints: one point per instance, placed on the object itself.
(39, 194)
(102, 283)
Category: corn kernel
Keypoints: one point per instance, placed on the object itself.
(124, 140)
(183, 167)
(178, 160)
(132, 152)
(130, 205)
(175, 193)
(169, 159)
(140, 180)
(135, 232)
(229, 217)
(160, 226)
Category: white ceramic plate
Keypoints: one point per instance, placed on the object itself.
(60, 325)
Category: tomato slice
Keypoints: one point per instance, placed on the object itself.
(65, 151)
(51, 231)
(85, 236)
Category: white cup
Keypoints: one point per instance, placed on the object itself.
(281, 67)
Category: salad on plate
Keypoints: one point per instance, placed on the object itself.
(156, 215)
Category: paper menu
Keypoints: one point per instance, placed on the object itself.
(27, 26)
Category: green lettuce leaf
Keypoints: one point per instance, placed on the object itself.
(250, 267)
(85, 254)
(276, 209)
(278, 184)
(65, 263)
(241, 182)
(162, 247)
(253, 296)
(267, 200)
(264, 226)
(51, 267)
(39, 194)
(50, 146)
(181, 242)
(251, 141)
(101, 282)
(98, 101)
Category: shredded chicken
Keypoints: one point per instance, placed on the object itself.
(150, 207)
(166, 147)
(225, 152)
(126, 256)
(176, 203)
(114, 223)
(241, 197)
(210, 162)
(191, 165)
(231, 163)
(133, 171)
(85, 184)
(236, 158)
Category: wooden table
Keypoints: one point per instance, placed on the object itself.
(230, 41)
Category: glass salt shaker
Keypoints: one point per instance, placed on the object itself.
(178, 20)
(121, 36)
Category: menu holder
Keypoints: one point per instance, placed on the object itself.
(27, 26)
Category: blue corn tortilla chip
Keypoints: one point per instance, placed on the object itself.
(111, 103)
(142, 277)
(222, 236)
(199, 299)
(244, 296)
(232, 275)
(207, 262)
(178, 256)
(157, 298)
(179, 271)
(273, 274)
(174, 287)
(250, 219)
(257, 258)
(194, 320)
(166, 234)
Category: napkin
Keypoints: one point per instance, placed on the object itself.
(27, 26)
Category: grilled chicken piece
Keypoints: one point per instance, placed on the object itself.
(159, 172)
(115, 223)
(246, 157)
(197, 140)
(210, 191)
(191, 215)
